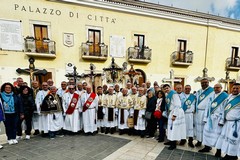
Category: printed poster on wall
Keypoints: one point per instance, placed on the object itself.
(11, 35)
(117, 46)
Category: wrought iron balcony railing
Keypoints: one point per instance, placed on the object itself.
(94, 51)
(233, 63)
(40, 48)
(135, 54)
(182, 58)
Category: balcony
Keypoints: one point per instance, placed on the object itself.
(182, 58)
(233, 63)
(135, 54)
(40, 48)
(94, 51)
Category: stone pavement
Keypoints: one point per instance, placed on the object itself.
(179, 154)
(68, 147)
(101, 146)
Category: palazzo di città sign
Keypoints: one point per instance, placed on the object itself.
(58, 12)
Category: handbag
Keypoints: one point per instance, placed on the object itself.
(148, 115)
(130, 122)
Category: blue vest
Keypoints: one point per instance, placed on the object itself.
(188, 102)
(217, 101)
(232, 104)
(169, 99)
(204, 94)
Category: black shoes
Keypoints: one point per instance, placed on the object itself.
(167, 143)
(218, 153)
(182, 142)
(191, 144)
(205, 149)
(198, 144)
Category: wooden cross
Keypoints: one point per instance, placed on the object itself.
(92, 76)
(172, 79)
(32, 71)
(205, 76)
(227, 81)
(74, 75)
(113, 70)
(131, 73)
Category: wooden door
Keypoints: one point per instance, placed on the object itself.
(41, 32)
(43, 78)
(182, 82)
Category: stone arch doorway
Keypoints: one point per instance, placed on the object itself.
(142, 77)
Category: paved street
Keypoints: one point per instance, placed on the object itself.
(179, 154)
(68, 147)
(101, 146)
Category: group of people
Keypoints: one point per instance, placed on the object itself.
(210, 116)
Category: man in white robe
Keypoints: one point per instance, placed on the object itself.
(80, 91)
(42, 121)
(229, 140)
(124, 104)
(35, 118)
(52, 109)
(138, 112)
(110, 111)
(100, 115)
(63, 89)
(202, 100)
(214, 119)
(188, 106)
(72, 120)
(117, 90)
(176, 129)
(89, 102)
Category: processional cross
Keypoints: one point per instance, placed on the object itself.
(205, 76)
(32, 71)
(131, 73)
(74, 75)
(172, 79)
(227, 81)
(92, 76)
(113, 70)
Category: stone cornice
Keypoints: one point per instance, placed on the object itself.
(159, 11)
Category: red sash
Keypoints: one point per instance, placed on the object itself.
(72, 104)
(89, 101)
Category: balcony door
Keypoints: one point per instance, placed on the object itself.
(182, 47)
(94, 36)
(234, 57)
(40, 32)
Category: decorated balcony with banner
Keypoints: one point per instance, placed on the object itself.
(44, 47)
(182, 58)
(140, 55)
(233, 63)
(97, 51)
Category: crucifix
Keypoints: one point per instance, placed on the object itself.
(113, 69)
(131, 73)
(32, 71)
(74, 75)
(205, 76)
(92, 76)
(172, 79)
(227, 81)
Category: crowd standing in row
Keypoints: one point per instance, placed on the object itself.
(210, 116)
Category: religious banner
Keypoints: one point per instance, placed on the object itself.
(11, 35)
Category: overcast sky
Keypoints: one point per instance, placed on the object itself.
(225, 8)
